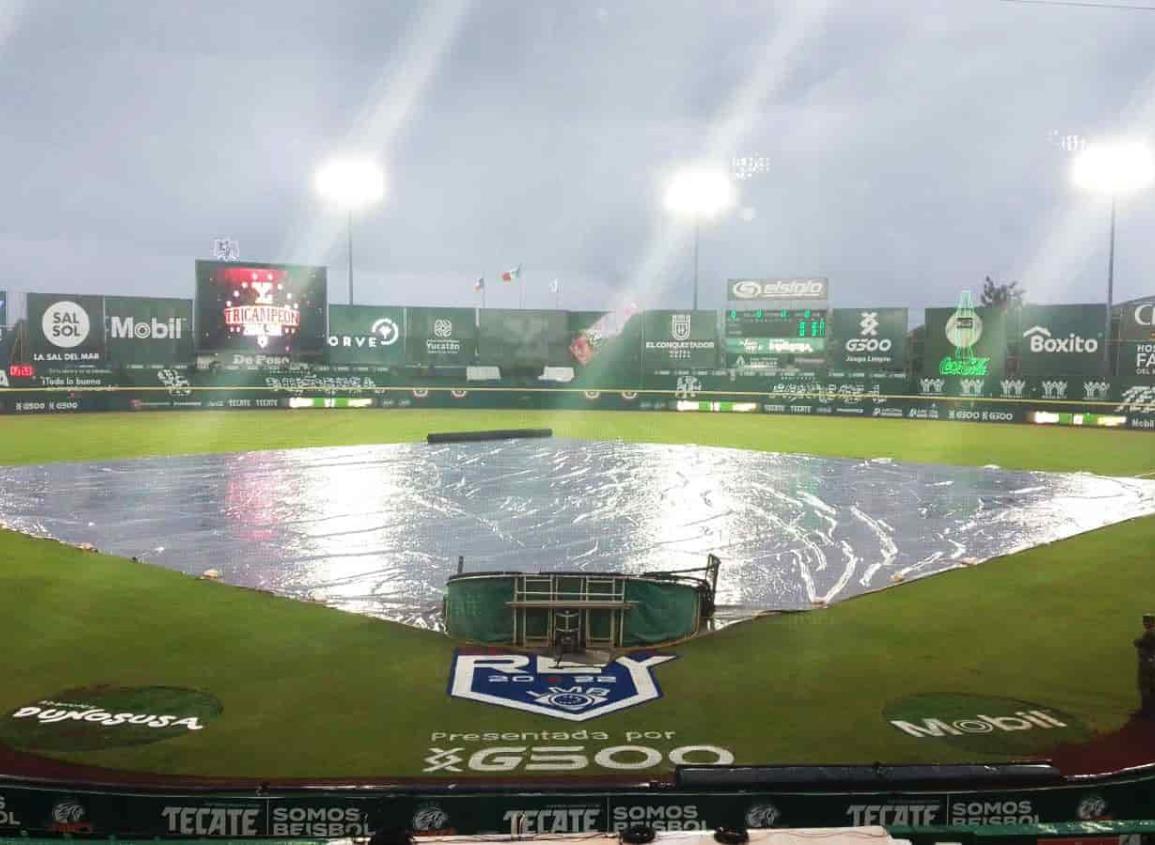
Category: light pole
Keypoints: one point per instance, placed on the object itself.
(350, 184)
(700, 193)
(1113, 169)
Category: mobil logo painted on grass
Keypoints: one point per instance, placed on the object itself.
(543, 685)
(984, 723)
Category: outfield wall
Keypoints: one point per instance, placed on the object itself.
(1120, 402)
(1102, 807)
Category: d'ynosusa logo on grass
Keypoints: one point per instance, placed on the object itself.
(98, 717)
(539, 684)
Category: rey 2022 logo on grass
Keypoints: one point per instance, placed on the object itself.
(92, 718)
(538, 684)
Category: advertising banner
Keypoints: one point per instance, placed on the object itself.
(525, 814)
(440, 336)
(1061, 339)
(277, 309)
(65, 329)
(1137, 321)
(867, 339)
(1137, 360)
(144, 332)
(680, 340)
(965, 342)
(366, 334)
(777, 290)
(522, 338)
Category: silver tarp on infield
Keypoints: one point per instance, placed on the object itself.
(377, 529)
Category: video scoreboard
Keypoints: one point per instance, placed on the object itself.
(802, 323)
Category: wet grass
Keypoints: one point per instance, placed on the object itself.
(312, 692)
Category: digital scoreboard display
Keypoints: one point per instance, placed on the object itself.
(802, 323)
(272, 309)
(770, 338)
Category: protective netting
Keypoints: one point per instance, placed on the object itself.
(378, 529)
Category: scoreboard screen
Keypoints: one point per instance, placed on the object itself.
(272, 309)
(801, 323)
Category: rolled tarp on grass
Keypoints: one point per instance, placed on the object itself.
(479, 436)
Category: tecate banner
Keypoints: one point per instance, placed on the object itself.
(66, 329)
(1138, 321)
(778, 290)
(143, 330)
(869, 339)
(1061, 339)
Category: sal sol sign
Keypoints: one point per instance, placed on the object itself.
(66, 328)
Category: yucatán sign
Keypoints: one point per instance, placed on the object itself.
(66, 328)
(144, 330)
(1061, 339)
(441, 336)
(362, 334)
(868, 339)
(680, 340)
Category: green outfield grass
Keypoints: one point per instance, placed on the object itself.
(104, 436)
(312, 692)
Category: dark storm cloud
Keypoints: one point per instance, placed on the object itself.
(910, 144)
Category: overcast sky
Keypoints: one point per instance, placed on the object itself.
(911, 146)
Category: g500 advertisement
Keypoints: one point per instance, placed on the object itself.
(868, 339)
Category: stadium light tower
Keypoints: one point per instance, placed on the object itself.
(700, 193)
(1113, 169)
(351, 184)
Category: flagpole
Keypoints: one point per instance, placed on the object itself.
(521, 289)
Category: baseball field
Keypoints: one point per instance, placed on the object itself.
(1024, 657)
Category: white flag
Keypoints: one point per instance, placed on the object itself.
(554, 286)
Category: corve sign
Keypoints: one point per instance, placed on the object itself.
(746, 290)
